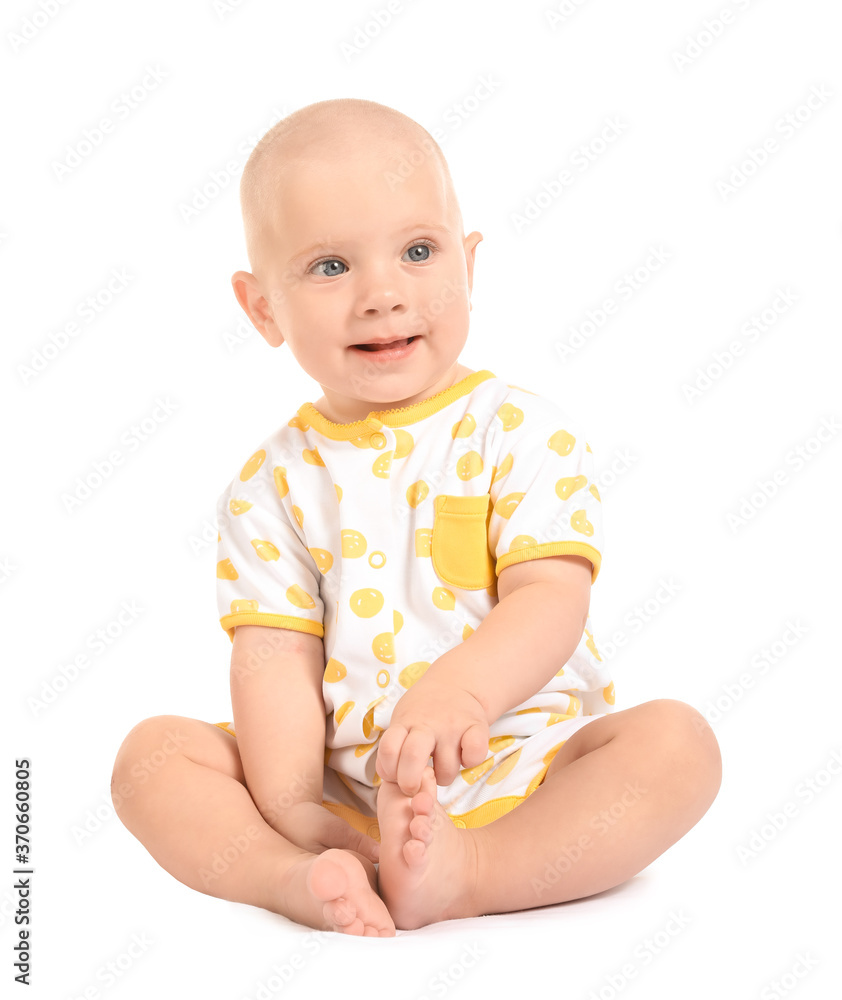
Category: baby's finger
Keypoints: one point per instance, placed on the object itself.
(415, 753)
(388, 752)
(475, 745)
(446, 762)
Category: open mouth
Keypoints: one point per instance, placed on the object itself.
(395, 344)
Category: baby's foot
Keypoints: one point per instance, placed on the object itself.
(336, 891)
(427, 865)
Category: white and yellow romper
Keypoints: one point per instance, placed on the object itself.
(385, 537)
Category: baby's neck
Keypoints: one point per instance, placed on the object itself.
(322, 405)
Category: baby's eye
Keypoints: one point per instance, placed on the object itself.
(329, 260)
(424, 245)
(333, 262)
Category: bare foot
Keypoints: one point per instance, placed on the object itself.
(427, 865)
(336, 891)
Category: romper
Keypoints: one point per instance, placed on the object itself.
(384, 537)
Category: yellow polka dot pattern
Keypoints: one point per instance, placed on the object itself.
(385, 537)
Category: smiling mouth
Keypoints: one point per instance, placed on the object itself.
(385, 347)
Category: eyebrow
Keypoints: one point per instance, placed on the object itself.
(325, 245)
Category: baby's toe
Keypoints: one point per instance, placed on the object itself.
(415, 853)
(340, 912)
(421, 828)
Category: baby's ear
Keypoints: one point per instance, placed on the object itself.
(471, 242)
(254, 305)
(244, 283)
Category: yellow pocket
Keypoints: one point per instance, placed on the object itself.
(459, 544)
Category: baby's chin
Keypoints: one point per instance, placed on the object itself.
(390, 389)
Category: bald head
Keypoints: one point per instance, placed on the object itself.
(333, 132)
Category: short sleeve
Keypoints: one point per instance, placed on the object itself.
(265, 574)
(545, 500)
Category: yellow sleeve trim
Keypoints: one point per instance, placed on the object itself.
(553, 549)
(230, 622)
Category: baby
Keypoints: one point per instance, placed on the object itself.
(423, 728)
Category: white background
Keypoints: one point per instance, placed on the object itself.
(176, 332)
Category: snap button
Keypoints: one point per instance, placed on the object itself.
(378, 440)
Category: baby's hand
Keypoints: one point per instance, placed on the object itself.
(313, 828)
(436, 717)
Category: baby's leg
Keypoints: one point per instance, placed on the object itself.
(179, 787)
(618, 793)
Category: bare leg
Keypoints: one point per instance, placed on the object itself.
(178, 786)
(617, 794)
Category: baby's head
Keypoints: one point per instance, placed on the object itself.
(354, 235)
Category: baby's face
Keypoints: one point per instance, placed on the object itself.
(354, 258)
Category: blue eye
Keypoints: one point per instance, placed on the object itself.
(328, 260)
(427, 245)
(430, 247)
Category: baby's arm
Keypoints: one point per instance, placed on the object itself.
(279, 715)
(525, 639)
(279, 718)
